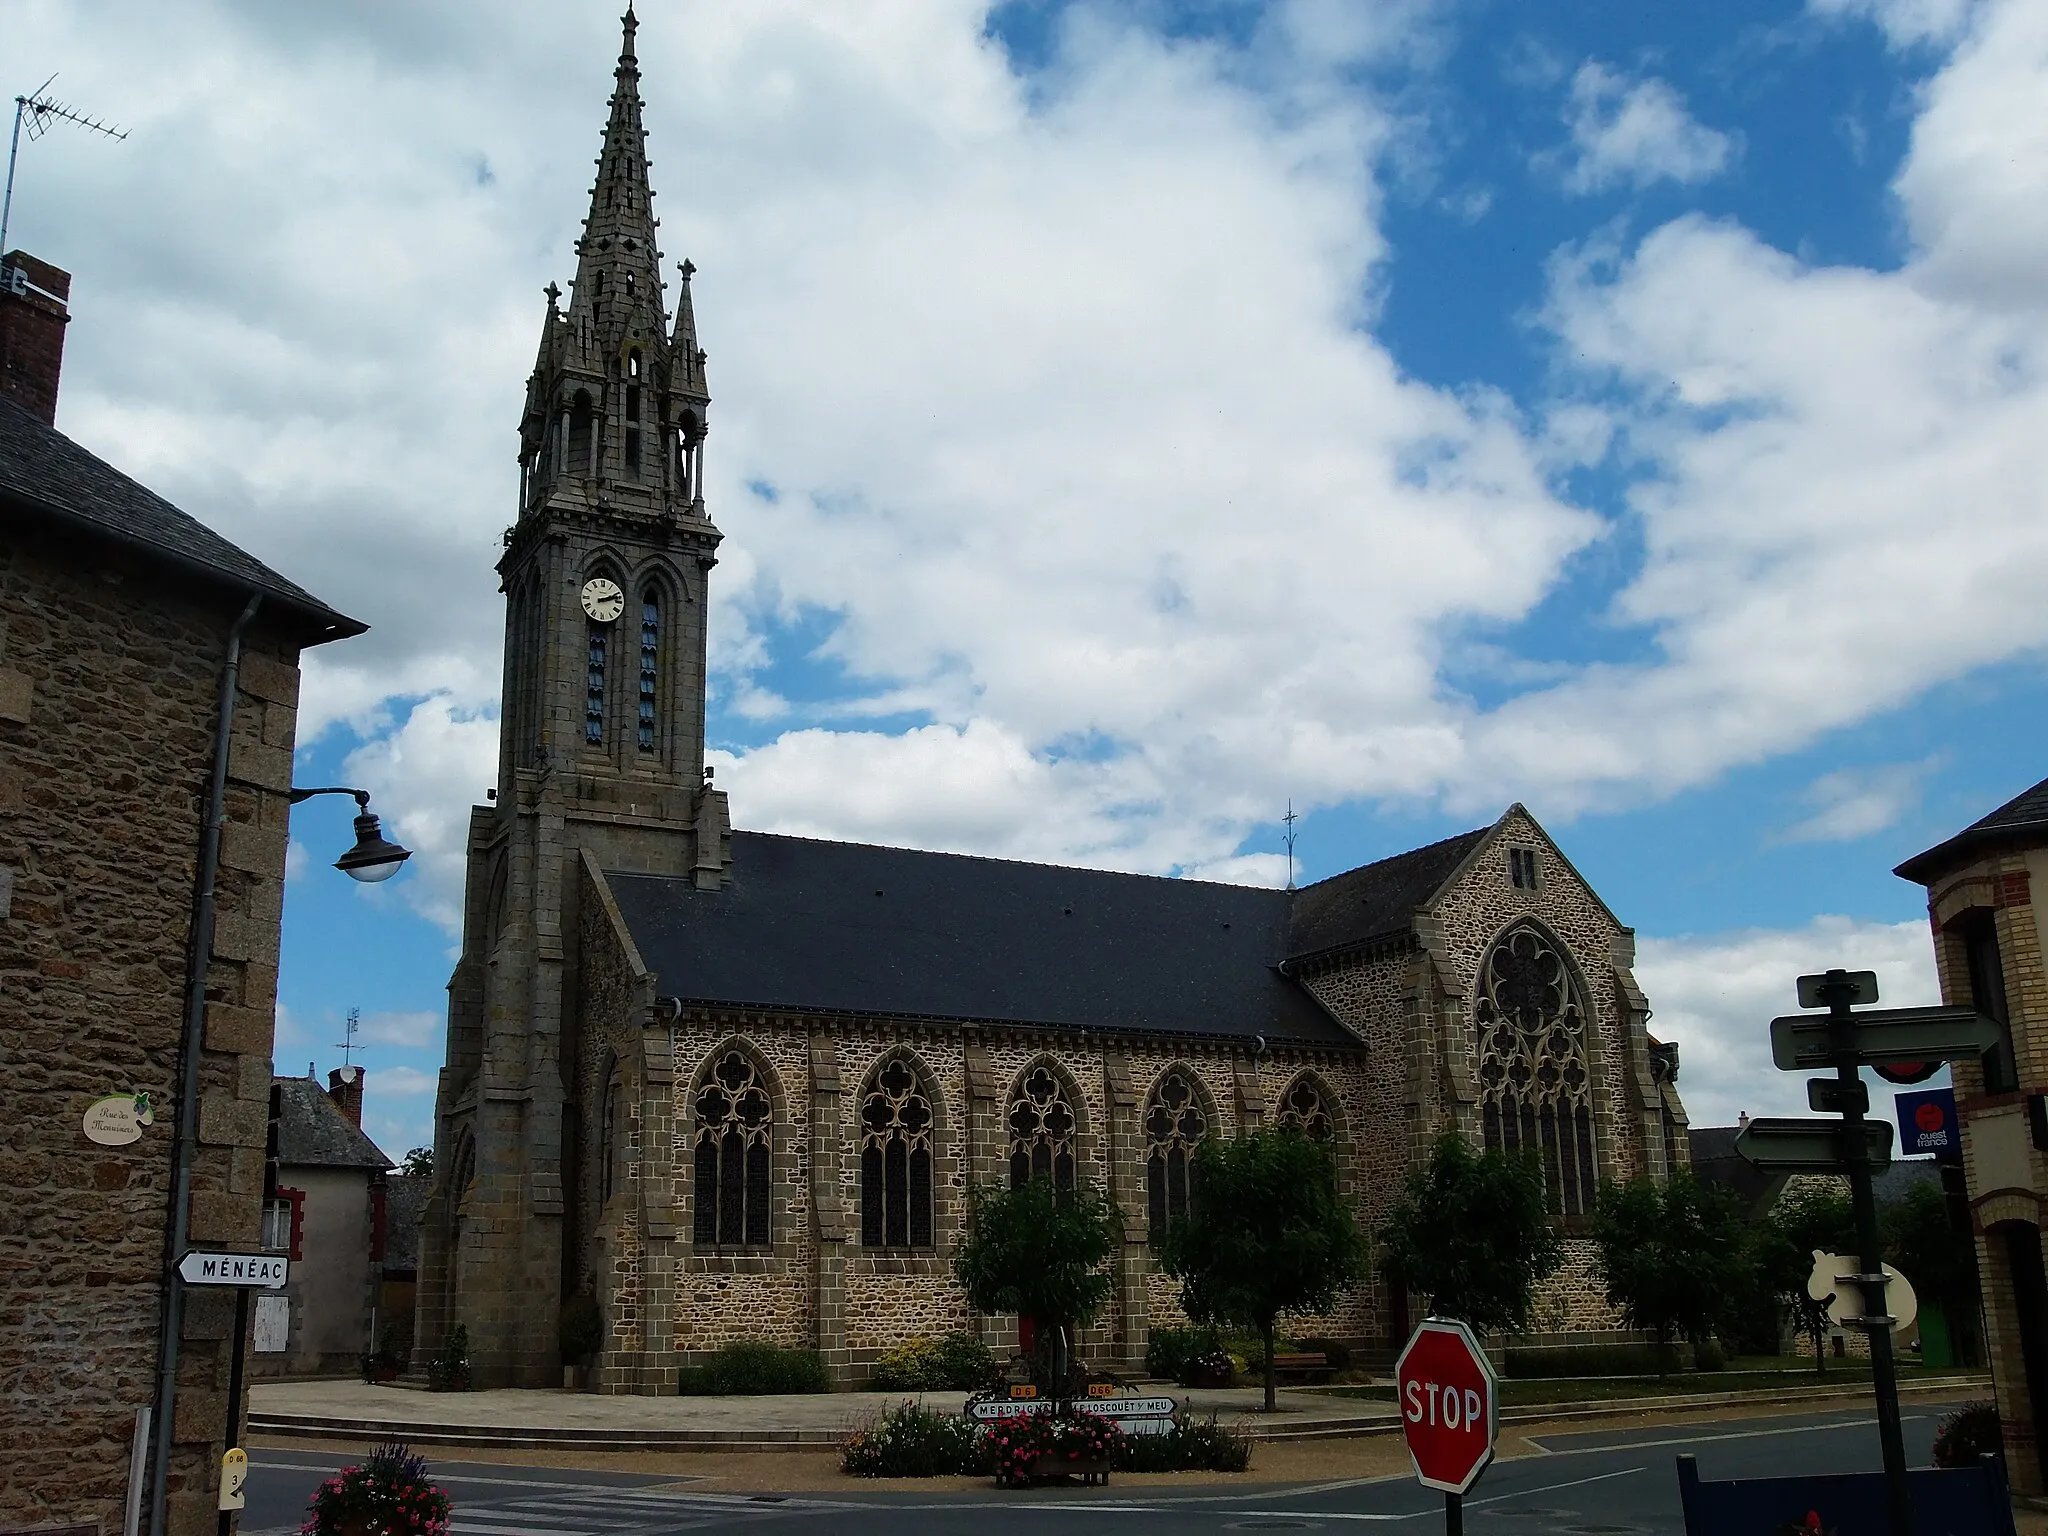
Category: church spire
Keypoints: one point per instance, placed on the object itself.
(618, 270)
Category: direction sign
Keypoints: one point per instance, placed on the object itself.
(1801, 1041)
(1810, 1146)
(1449, 1405)
(265, 1269)
(1861, 986)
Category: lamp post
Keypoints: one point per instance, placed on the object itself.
(373, 859)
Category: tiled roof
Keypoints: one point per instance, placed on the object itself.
(313, 1133)
(847, 927)
(1374, 899)
(46, 476)
(2022, 818)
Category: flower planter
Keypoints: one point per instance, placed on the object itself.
(1049, 1467)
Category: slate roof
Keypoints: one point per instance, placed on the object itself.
(44, 474)
(852, 928)
(2022, 818)
(1375, 899)
(403, 1198)
(1715, 1159)
(313, 1133)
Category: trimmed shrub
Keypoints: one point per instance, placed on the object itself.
(1708, 1355)
(959, 1362)
(1168, 1350)
(448, 1370)
(1336, 1351)
(1968, 1433)
(752, 1369)
(1594, 1360)
(1192, 1445)
(582, 1328)
(911, 1440)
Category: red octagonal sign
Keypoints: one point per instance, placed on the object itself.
(1447, 1393)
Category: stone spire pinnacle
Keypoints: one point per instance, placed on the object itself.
(618, 270)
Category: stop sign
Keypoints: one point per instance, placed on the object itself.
(1445, 1387)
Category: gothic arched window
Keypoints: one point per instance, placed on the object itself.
(735, 1130)
(1302, 1107)
(1041, 1131)
(593, 687)
(650, 655)
(1534, 1088)
(896, 1159)
(1174, 1126)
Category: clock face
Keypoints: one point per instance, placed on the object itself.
(602, 599)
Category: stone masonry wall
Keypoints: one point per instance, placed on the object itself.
(108, 689)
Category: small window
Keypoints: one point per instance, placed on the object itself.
(1522, 868)
(612, 1131)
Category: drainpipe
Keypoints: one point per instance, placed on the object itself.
(188, 1077)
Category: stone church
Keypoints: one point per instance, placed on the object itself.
(736, 1085)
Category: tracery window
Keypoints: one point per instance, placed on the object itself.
(1302, 1107)
(593, 688)
(1534, 1089)
(1174, 1126)
(896, 1159)
(1041, 1131)
(650, 653)
(735, 1131)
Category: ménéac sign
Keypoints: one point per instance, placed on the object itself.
(268, 1270)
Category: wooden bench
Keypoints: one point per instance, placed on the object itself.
(1309, 1369)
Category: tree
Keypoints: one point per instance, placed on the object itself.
(418, 1163)
(1042, 1252)
(1266, 1232)
(1473, 1234)
(1925, 1242)
(1818, 1217)
(1674, 1256)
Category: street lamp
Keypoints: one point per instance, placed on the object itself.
(373, 858)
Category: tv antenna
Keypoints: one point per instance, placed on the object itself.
(42, 112)
(1290, 819)
(348, 1040)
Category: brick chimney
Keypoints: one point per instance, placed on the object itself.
(34, 299)
(345, 1087)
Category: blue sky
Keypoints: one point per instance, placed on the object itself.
(1129, 417)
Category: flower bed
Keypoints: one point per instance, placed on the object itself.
(388, 1494)
(1031, 1447)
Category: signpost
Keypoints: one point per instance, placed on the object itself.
(1133, 1415)
(268, 1270)
(1849, 1041)
(1449, 1403)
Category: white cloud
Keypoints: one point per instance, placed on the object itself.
(1716, 994)
(1630, 132)
(407, 1030)
(1904, 22)
(1855, 802)
(399, 1082)
(1070, 397)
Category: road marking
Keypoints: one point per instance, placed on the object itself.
(1747, 1434)
(482, 1482)
(1577, 1482)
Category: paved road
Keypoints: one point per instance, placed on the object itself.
(1613, 1482)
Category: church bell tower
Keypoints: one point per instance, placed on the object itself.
(605, 571)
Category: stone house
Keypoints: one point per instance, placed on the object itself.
(132, 639)
(1989, 940)
(327, 1210)
(736, 1085)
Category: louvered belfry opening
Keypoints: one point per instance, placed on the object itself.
(735, 1147)
(896, 1159)
(1535, 1091)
